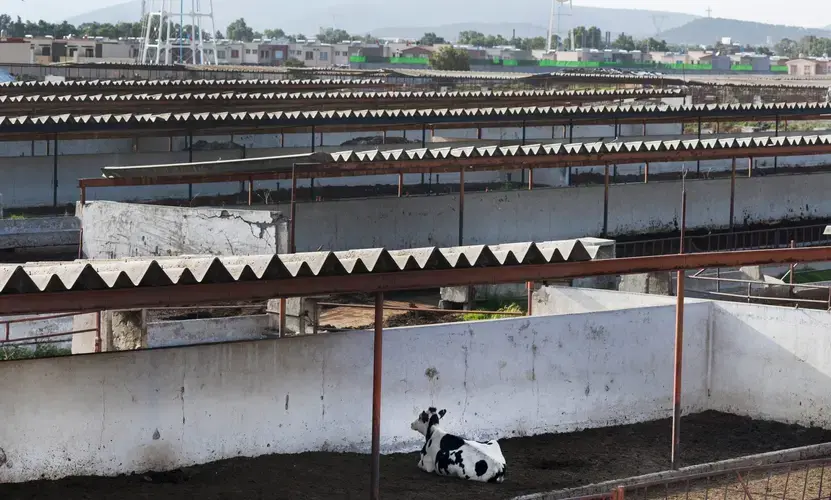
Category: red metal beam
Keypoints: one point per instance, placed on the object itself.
(454, 164)
(181, 295)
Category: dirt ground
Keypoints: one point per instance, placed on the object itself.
(535, 464)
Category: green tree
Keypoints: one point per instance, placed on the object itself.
(278, 33)
(786, 48)
(431, 39)
(331, 35)
(624, 42)
(239, 30)
(294, 63)
(450, 59)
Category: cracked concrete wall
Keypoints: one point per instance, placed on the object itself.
(117, 230)
(214, 402)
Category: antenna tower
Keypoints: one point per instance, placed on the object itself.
(557, 12)
(658, 22)
(162, 43)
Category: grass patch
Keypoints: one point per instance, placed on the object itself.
(510, 308)
(16, 217)
(11, 353)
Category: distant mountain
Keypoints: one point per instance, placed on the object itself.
(711, 30)
(411, 19)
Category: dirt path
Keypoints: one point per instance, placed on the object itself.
(534, 464)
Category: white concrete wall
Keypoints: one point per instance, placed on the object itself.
(555, 300)
(768, 362)
(550, 214)
(117, 230)
(166, 408)
(772, 363)
(204, 331)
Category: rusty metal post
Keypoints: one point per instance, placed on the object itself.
(732, 194)
(292, 245)
(83, 194)
(293, 208)
(8, 331)
(375, 491)
(646, 173)
(644, 128)
(313, 138)
(190, 160)
(776, 158)
(98, 331)
(679, 342)
(250, 191)
(55, 173)
(479, 133)
(461, 205)
(791, 268)
(400, 184)
(749, 168)
(530, 179)
(606, 201)
(530, 288)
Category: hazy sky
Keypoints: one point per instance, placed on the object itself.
(808, 13)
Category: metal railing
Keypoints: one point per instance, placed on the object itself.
(803, 480)
(756, 239)
(6, 340)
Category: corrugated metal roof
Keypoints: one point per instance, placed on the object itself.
(559, 150)
(213, 97)
(76, 122)
(141, 84)
(188, 270)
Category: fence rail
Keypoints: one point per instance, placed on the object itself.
(34, 339)
(802, 480)
(756, 239)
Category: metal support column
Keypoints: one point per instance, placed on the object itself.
(190, 160)
(461, 205)
(776, 158)
(698, 162)
(732, 193)
(606, 201)
(313, 138)
(375, 490)
(646, 173)
(679, 343)
(570, 141)
(55, 172)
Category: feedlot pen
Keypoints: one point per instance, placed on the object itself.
(535, 464)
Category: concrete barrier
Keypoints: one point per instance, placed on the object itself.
(116, 230)
(212, 402)
(39, 232)
(559, 213)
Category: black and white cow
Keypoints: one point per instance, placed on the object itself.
(450, 455)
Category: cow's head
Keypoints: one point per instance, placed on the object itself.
(427, 419)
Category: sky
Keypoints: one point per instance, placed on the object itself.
(808, 13)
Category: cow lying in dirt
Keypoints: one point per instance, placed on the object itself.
(450, 455)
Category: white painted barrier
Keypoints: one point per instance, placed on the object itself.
(111, 413)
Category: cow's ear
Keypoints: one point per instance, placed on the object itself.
(441, 413)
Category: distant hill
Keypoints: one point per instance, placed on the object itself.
(409, 19)
(711, 30)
